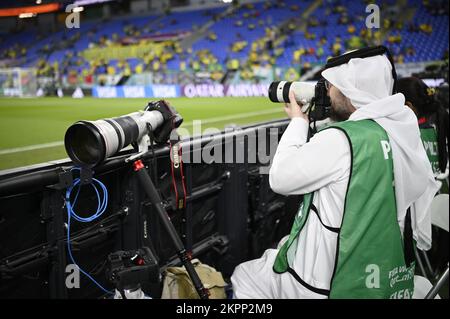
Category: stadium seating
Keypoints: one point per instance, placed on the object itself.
(414, 45)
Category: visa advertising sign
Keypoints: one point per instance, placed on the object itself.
(172, 91)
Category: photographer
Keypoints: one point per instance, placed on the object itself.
(352, 237)
(432, 118)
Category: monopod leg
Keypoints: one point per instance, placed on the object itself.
(152, 193)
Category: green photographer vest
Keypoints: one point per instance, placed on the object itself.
(429, 137)
(369, 260)
(429, 140)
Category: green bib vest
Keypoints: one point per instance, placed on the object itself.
(369, 259)
(429, 140)
(429, 137)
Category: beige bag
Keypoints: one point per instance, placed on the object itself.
(178, 284)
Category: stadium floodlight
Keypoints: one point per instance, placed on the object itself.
(27, 15)
(227, 1)
(38, 1)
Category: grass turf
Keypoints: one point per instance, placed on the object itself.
(28, 122)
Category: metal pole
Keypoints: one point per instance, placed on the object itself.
(419, 263)
(427, 262)
(434, 291)
(152, 193)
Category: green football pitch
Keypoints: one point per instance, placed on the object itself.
(32, 130)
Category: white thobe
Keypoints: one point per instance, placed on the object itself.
(323, 166)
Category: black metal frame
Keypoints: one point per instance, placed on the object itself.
(132, 226)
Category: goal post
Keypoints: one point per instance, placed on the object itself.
(19, 82)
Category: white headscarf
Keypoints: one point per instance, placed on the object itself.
(368, 84)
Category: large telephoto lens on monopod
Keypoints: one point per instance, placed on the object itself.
(89, 143)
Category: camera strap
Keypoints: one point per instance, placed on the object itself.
(168, 132)
(176, 167)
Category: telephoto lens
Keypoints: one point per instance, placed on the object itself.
(313, 97)
(303, 91)
(89, 143)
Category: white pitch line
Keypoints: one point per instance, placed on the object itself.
(30, 148)
(206, 121)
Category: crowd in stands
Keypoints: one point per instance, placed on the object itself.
(267, 33)
(14, 52)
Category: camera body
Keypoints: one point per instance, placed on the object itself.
(442, 95)
(171, 120)
(321, 103)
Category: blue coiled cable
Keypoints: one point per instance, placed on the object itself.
(101, 208)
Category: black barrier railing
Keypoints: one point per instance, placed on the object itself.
(231, 216)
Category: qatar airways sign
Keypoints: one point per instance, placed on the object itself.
(219, 90)
(173, 91)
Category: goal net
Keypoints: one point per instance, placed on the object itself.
(19, 82)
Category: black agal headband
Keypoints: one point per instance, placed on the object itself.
(364, 53)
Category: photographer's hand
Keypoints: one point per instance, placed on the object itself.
(293, 109)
